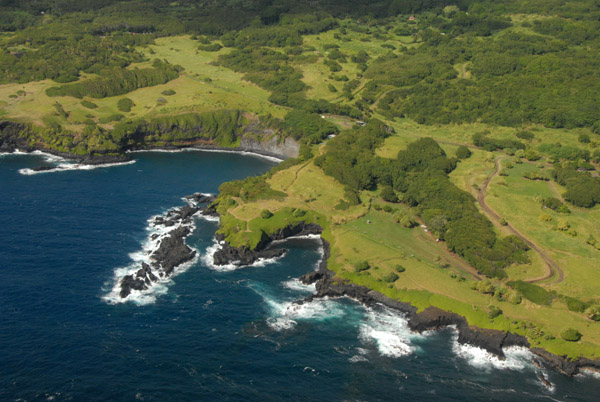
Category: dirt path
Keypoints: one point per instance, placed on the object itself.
(553, 268)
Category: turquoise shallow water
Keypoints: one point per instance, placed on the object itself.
(209, 334)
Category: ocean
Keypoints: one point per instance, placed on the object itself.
(209, 334)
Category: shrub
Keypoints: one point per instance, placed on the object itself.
(390, 277)
(593, 313)
(531, 292)
(525, 135)
(125, 105)
(388, 194)
(399, 268)
(531, 155)
(570, 335)
(552, 203)
(111, 118)
(485, 287)
(494, 312)
(463, 152)
(168, 92)
(574, 304)
(584, 138)
(299, 213)
(214, 47)
(266, 214)
(88, 104)
(332, 88)
(361, 266)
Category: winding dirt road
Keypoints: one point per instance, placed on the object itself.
(553, 268)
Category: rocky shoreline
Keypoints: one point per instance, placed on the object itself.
(432, 318)
(171, 250)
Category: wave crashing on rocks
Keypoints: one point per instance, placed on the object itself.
(164, 255)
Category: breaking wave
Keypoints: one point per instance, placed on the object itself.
(389, 331)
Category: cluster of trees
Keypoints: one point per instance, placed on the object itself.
(272, 70)
(310, 128)
(583, 190)
(118, 82)
(421, 173)
(38, 54)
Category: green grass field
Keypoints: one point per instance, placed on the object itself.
(202, 87)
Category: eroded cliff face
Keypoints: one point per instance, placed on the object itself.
(13, 136)
(271, 145)
(252, 138)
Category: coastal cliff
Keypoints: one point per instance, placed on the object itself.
(432, 318)
(227, 131)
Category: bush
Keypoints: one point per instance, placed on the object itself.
(361, 266)
(531, 292)
(111, 118)
(399, 268)
(299, 213)
(88, 104)
(494, 312)
(593, 313)
(574, 304)
(463, 152)
(214, 47)
(125, 105)
(525, 135)
(168, 92)
(390, 277)
(570, 335)
(584, 138)
(485, 287)
(266, 214)
(388, 194)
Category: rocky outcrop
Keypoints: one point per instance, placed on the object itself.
(244, 256)
(170, 250)
(433, 318)
(565, 365)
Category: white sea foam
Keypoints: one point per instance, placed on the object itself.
(255, 154)
(50, 158)
(389, 331)
(285, 315)
(208, 260)
(156, 233)
(62, 167)
(225, 151)
(590, 373)
(357, 359)
(295, 284)
(517, 358)
(306, 237)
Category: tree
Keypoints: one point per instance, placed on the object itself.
(388, 194)
(463, 152)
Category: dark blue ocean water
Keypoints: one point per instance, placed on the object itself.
(210, 335)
